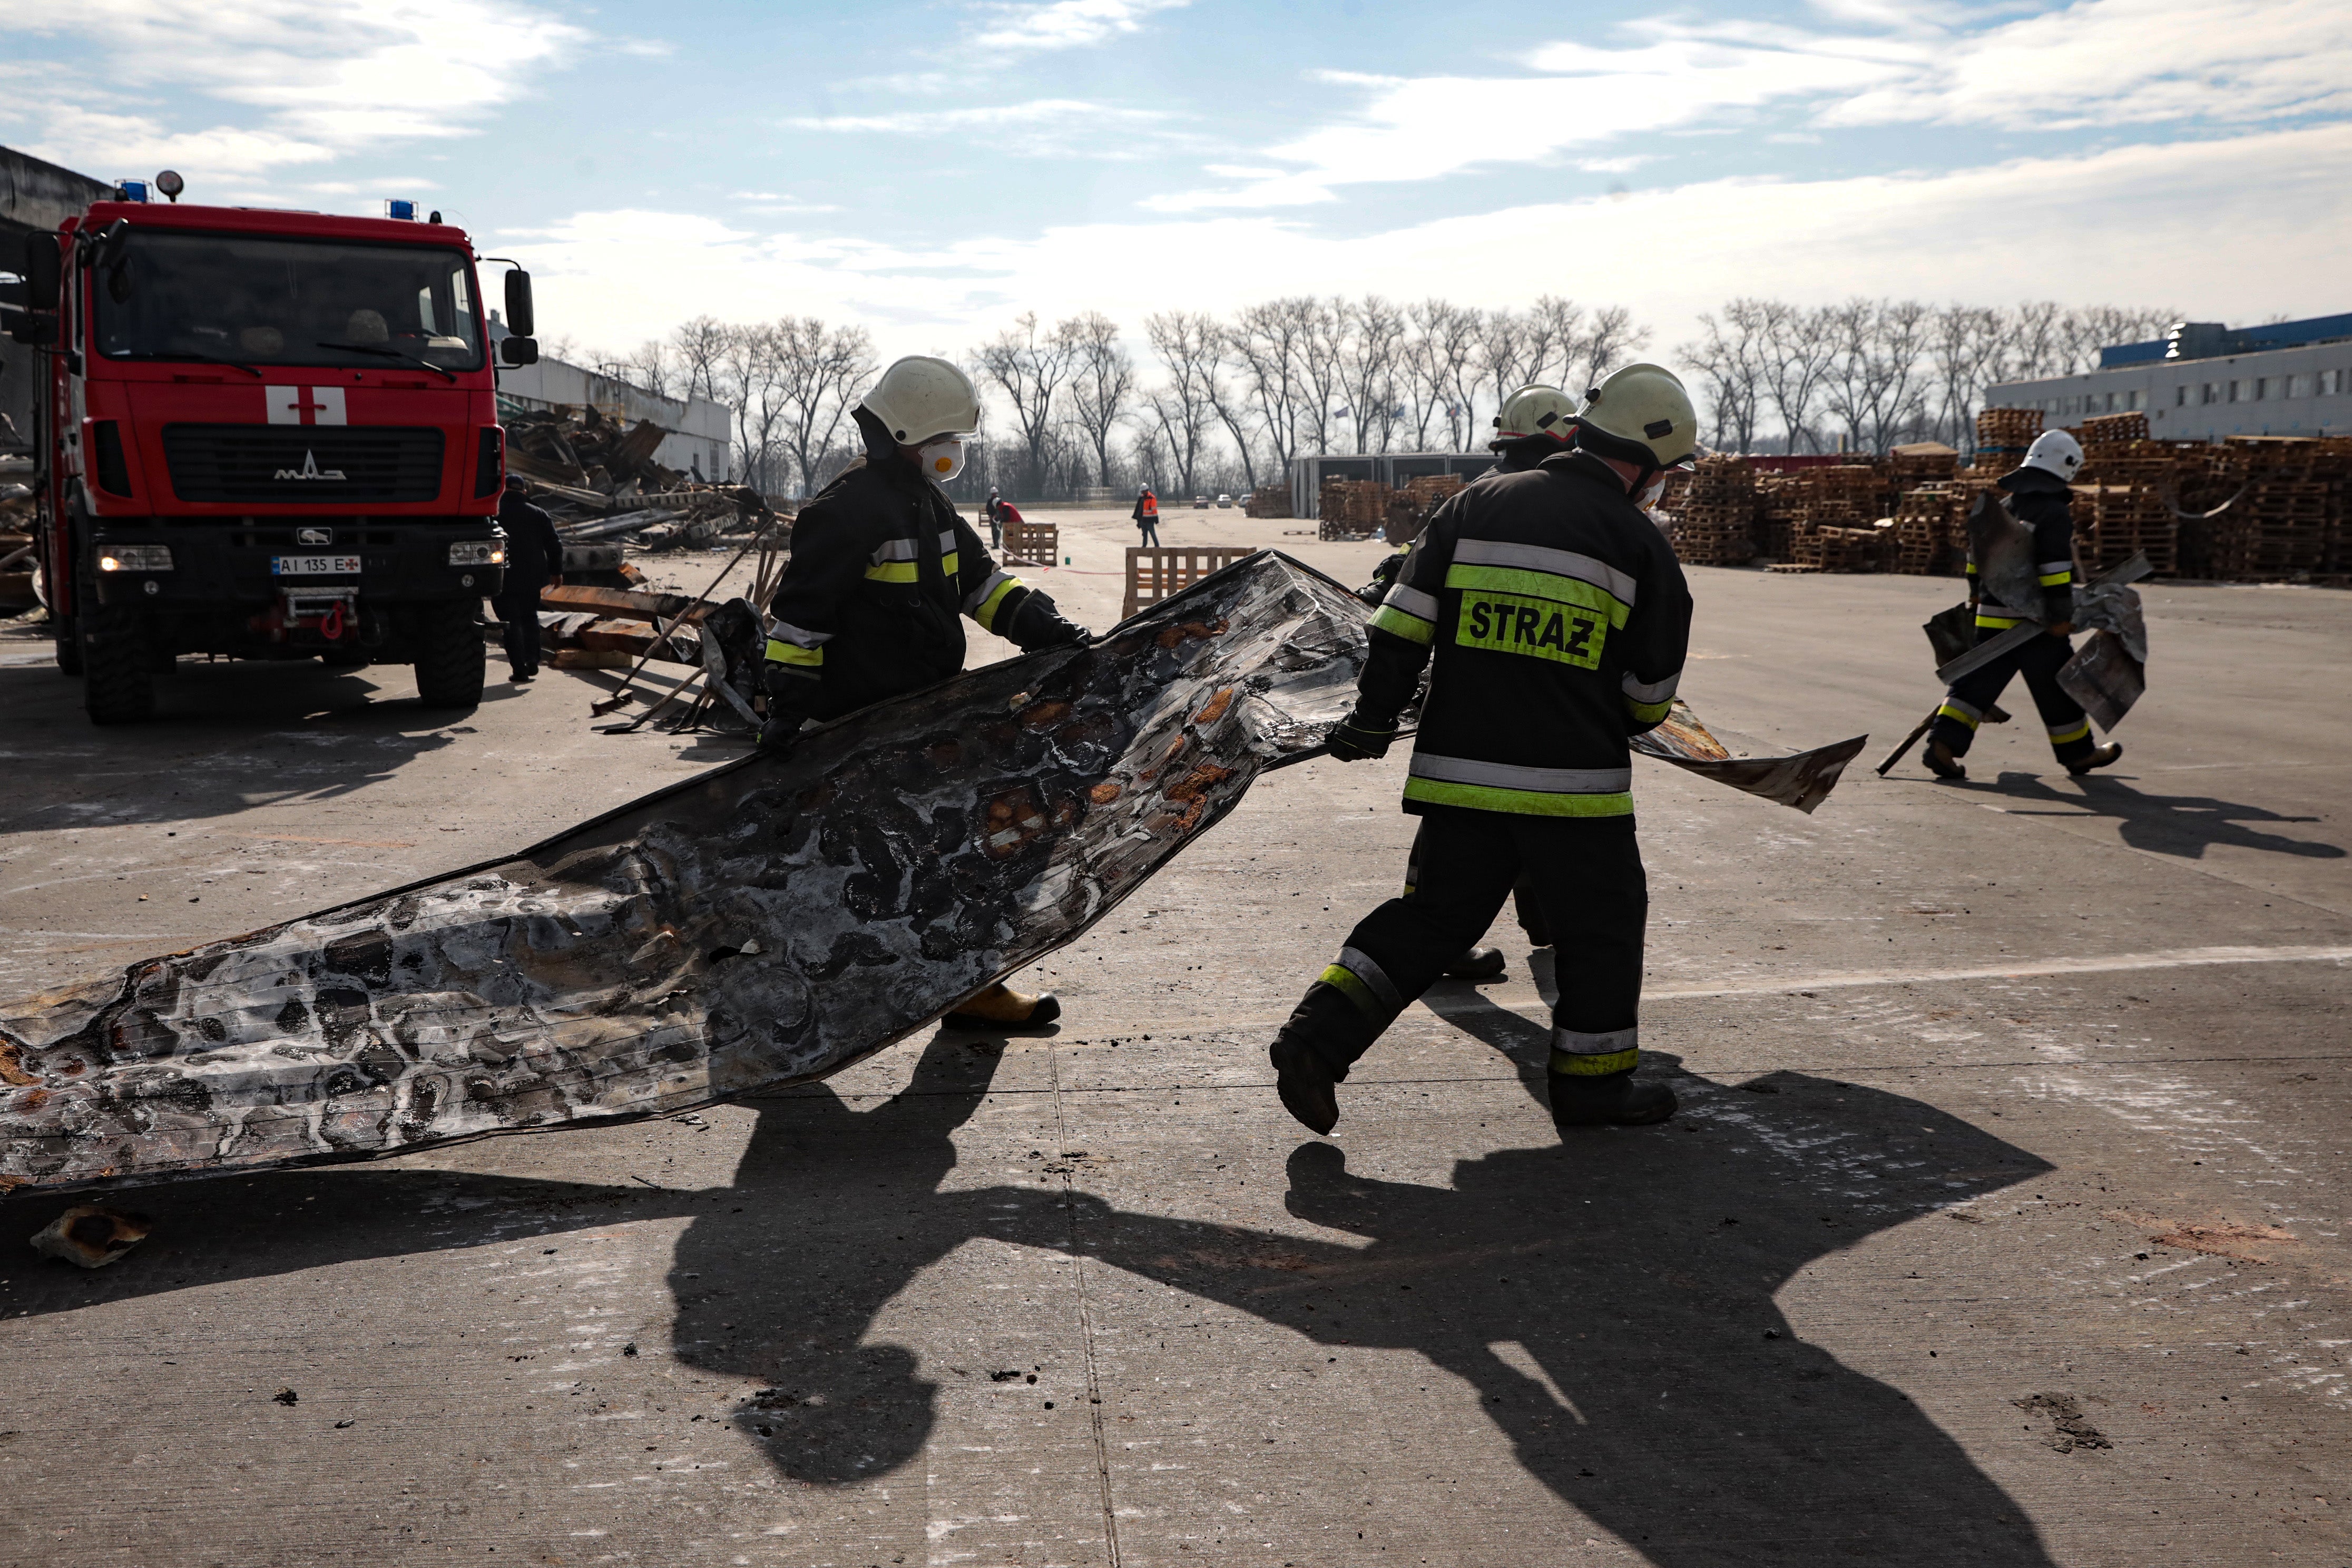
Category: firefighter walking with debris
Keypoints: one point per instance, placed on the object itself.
(2039, 497)
(1557, 617)
(534, 560)
(882, 570)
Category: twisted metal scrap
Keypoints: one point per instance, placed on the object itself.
(765, 924)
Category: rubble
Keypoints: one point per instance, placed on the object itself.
(16, 546)
(599, 481)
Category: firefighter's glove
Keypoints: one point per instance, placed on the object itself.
(1385, 577)
(1037, 625)
(1357, 739)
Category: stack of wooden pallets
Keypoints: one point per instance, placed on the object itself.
(1038, 543)
(1352, 509)
(1715, 516)
(1268, 500)
(2104, 428)
(2006, 433)
(2113, 521)
(1926, 524)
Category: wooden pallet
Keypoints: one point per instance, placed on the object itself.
(1155, 573)
(1033, 543)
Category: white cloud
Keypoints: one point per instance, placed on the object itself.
(1066, 24)
(2230, 229)
(325, 77)
(2113, 62)
(1046, 127)
(2094, 63)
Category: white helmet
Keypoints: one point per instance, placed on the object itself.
(920, 398)
(1534, 410)
(1646, 406)
(2055, 452)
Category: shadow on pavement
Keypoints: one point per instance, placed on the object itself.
(2182, 824)
(1612, 1300)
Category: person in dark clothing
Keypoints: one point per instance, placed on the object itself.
(534, 560)
(1146, 518)
(1558, 619)
(994, 512)
(2039, 497)
(882, 571)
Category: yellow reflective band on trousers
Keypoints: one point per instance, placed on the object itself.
(1525, 801)
(891, 572)
(2056, 579)
(780, 652)
(1583, 1065)
(1997, 622)
(986, 612)
(1402, 624)
(1965, 715)
(2076, 732)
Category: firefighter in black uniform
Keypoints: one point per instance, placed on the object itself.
(2039, 496)
(882, 568)
(1558, 618)
(534, 560)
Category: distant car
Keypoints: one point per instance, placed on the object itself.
(1224, 500)
(1199, 502)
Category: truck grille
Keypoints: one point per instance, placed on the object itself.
(278, 463)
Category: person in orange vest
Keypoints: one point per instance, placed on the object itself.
(1147, 516)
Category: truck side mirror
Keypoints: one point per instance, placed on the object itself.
(521, 320)
(519, 351)
(35, 329)
(43, 276)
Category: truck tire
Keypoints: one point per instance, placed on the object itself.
(118, 678)
(450, 663)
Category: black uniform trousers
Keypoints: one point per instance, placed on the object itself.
(1525, 902)
(519, 612)
(2039, 660)
(1589, 888)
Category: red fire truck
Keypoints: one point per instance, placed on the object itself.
(266, 435)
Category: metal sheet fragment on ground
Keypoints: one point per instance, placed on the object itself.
(765, 924)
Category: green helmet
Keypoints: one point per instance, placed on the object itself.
(1646, 407)
(1535, 409)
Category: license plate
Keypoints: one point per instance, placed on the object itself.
(313, 565)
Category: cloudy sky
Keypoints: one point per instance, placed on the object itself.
(930, 170)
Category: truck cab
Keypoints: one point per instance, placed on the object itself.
(266, 435)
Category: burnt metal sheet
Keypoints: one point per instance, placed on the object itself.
(1801, 780)
(767, 923)
(2105, 679)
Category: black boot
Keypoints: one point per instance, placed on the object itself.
(1479, 964)
(1610, 1099)
(1304, 1080)
(1941, 763)
(2100, 758)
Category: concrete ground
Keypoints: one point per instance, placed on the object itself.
(1094, 1298)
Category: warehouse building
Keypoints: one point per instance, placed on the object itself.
(2203, 382)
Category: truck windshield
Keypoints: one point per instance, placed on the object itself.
(284, 301)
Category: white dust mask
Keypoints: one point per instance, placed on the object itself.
(941, 459)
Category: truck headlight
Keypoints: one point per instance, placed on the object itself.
(477, 553)
(135, 558)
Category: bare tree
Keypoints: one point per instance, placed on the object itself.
(698, 346)
(1504, 354)
(1730, 359)
(1323, 328)
(1613, 337)
(1964, 346)
(819, 371)
(1556, 340)
(1796, 352)
(1029, 368)
(1101, 385)
(1268, 342)
(752, 387)
(1874, 382)
(1369, 369)
(2037, 342)
(1189, 345)
(1442, 364)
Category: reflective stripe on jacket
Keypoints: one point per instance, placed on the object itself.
(1558, 619)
